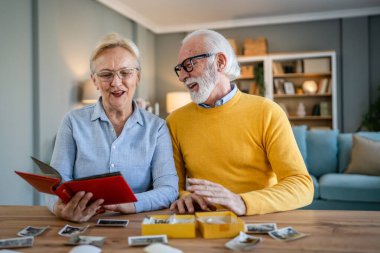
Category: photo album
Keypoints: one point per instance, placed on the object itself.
(111, 187)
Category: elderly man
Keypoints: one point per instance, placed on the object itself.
(231, 149)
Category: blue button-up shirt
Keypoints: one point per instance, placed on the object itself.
(224, 99)
(87, 145)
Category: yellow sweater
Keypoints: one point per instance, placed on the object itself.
(246, 145)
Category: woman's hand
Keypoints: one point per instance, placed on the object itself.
(76, 209)
(121, 208)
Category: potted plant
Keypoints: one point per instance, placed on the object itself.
(371, 120)
(258, 73)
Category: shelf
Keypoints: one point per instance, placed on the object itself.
(300, 95)
(310, 118)
(279, 70)
(296, 75)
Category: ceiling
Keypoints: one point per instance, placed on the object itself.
(168, 16)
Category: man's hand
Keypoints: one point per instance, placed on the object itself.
(121, 208)
(76, 209)
(218, 195)
(190, 203)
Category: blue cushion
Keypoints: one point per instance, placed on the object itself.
(345, 147)
(316, 187)
(300, 136)
(322, 152)
(350, 187)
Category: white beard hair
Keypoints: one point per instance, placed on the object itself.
(206, 84)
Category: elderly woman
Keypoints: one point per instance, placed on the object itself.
(115, 135)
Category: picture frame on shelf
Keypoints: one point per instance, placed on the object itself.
(279, 86)
(289, 88)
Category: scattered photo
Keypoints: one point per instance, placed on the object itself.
(32, 231)
(112, 223)
(146, 240)
(243, 242)
(71, 230)
(23, 242)
(97, 241)
(259, 228)
(159, 247)
(286, 234)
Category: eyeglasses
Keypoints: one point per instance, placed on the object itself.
(188, 64)
(123, 74)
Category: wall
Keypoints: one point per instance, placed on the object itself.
(374, 57)
(45, 59)
(355, 63)
(167, 47)
(355, 40)
(16, 135)
(146, 42)
(64, 50)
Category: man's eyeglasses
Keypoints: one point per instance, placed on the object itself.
(123, 74)
(188, 64)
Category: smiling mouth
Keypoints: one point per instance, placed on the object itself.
(192, 86)
(118, 93)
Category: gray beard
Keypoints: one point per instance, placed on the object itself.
(206, 84)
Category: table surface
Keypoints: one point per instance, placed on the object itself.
(330, 231)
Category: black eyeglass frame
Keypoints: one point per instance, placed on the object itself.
(191, 67)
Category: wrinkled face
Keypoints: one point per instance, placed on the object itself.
(201, 80)
(116, 76)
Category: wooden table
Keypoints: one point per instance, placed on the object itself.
(330, 231)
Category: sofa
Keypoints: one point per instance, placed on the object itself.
(327, 154)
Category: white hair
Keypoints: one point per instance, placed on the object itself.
(214, 42)
(113, 40)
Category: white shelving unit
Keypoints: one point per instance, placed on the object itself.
(291, 101)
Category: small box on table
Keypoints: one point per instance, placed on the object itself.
(219, 224)
(174, 226)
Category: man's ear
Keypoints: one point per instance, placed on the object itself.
(221, 61)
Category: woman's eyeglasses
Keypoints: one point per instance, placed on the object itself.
(123, 74)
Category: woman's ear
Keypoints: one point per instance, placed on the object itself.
(138, 76)
(94, 81)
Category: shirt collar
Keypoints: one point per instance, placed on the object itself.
(224, 99)
(99, 113)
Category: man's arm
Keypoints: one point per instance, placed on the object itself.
(295, 186)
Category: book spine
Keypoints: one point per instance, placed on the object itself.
(64, 193)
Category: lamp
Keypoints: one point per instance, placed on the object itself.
(89, 93)
(310, 87)
(177, 99)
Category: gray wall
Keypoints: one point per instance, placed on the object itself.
(374, 56)
(45, 47)
(355, 71)
(16, 129)
(167, 47)
(67, 32)
(146, 42)
(355, 40)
